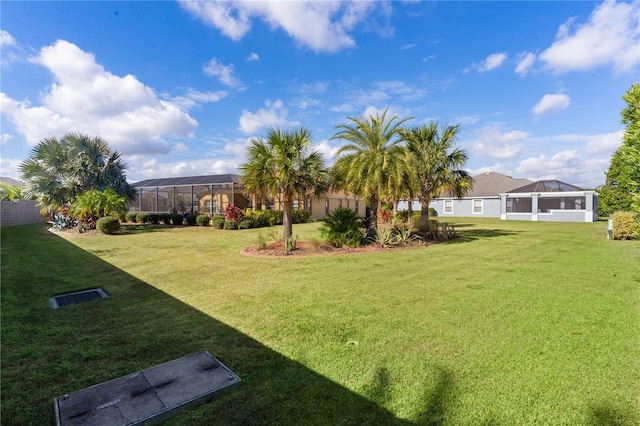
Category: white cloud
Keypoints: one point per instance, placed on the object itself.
(143, 168)
(492, 142)
(85, 98)
(4, 138)
(319, 25)
(253, 57)
(275, 115)
(525, 62)
(611, 36)
(492, 62)
(6, 39)
(328, 151)
(408, 46)
(193, 98)
(9, 167)
(551, 103)
(223, 72)
(603, 144)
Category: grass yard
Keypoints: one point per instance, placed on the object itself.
(513, 323)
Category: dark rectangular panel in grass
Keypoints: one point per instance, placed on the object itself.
(149, 395)
(77, 297)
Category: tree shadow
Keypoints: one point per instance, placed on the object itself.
(467, 235)
(47, 353)
(606, 414)
(438, 399)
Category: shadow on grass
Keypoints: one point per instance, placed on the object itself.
(606, 414)
(47, 353)
(466, 235)
(438, 400)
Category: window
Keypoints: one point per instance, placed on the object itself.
(339, 204)
(309, 205)
(357, 205)
(519, 205)
(326, 206)
(477, 206)
(448, 206)
(296, 204)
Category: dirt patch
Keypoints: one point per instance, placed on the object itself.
(313, 249)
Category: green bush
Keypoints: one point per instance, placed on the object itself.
(142, 218)
(231, 224)
(165, 218)
(433, 212)
(342, 227)
(192, 219)
(177, 219)
(257, 218)
(246, 223)
(217, 222)
(203, 220)
(108, 225)
(301, 216)
(121, 216)
(625, 225)
(131, 217)
(153, 218)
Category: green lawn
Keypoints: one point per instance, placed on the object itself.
(513, 323)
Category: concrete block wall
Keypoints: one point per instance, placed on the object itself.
(19, 212)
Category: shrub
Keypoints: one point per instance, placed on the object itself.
(203, 220)
(232, 212)
(256, 218)
(217, 222)
(384, 215)
(154, 218)
(275, 217)
(231, 224)
(177, 219)
(192, 219)
(165, 218)
(108, 225)
(433, 212)
(121, 216)
(342, 227)
(142, 218)
(246, 223)
(300, 216)
(625, 225)
(131, 217)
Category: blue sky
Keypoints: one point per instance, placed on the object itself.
(179, 88)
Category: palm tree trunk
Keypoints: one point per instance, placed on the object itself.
(287, 217)
(409, 210)
(372, 229)
(424, 216)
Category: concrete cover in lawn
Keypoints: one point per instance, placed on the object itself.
(148, 395)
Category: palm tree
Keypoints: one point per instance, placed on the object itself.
(58, 170)
(436, 166)
(284, 163)
(368, 165)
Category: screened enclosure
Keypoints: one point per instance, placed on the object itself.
(210, 194)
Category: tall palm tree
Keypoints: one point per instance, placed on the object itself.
(435, 164)
(283, 163)
(368, 165)
(58, 170)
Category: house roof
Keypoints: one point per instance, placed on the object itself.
(547, 186)
(493, 183)
(189, 181)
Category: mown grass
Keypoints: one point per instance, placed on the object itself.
(513, 323)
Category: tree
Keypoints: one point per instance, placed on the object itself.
(283, 163)
(434, 165)
(368, 165)
(622, 184)
(58, 170)
(10, 192)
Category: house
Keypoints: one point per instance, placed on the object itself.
(497, 195)
(211, 194)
